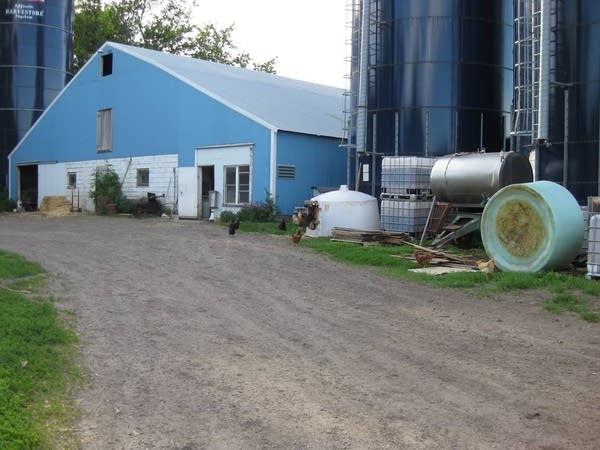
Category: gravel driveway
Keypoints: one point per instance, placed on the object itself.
(195, 339)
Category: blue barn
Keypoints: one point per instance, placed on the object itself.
(183, 127)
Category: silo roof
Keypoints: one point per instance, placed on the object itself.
(277, 102)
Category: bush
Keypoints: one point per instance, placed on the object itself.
(227, 217)
(105, 189)
(257, 212)
(260, 211)
(126, 205)
(6, 204)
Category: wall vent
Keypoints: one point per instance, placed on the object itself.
(284, 171)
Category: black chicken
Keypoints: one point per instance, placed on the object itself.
(233, 225)
(282, 225)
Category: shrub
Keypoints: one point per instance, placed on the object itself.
(6, 204)
(260, 211)
(126, 205)
(227, 216)
(257, 212)
(105, 188)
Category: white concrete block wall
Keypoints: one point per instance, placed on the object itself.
(53, 178)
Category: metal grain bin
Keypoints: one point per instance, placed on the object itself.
(36, 49)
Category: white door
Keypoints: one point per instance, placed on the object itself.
(188, 192)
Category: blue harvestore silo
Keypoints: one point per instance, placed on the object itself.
(434, 77)
(35, 60)
(557, 90)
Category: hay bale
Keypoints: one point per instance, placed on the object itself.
(55, 205)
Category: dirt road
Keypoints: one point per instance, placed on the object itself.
(195, 339)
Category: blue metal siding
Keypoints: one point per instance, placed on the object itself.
(153, 113)
(319, 161)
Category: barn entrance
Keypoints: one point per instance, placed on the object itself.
(207, 184)
(28, 186)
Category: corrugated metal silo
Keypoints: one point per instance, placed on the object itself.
(35, 61)
(559, 63)
(439, 76)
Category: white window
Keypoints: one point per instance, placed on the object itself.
(237, 185)
(143, 177)
(104, 130)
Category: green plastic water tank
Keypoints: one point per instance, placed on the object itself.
(531, 227)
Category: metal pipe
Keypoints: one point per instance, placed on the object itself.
(503, 132)
(374, 156)
(362, 101)
(481, 132)
(348, 150)
(455, 131)
(356, 171)
(396, 133)
(544, 70)
(566, 141)
(426, 133)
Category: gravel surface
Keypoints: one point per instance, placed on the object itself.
(195, 339)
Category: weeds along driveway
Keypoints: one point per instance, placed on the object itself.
(195, 339)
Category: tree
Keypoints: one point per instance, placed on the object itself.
(156, 24)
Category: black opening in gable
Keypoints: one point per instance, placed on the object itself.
(107, 64)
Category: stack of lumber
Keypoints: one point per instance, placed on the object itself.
(439, 258)
(55, 205)
(366, 236)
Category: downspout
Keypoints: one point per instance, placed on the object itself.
(10, 193)
(361, 116)
(273, 163)
(544, 70)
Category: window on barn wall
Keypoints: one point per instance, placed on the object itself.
(237, 185)
(107, 64)
(104, 130)
(71, 180)
(143, 177)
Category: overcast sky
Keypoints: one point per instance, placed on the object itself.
(308, 37)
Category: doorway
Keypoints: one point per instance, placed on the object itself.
(206, 184)
(28, 186)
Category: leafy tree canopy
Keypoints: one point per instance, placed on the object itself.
(164, 25)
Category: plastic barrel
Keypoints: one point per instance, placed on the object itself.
(532, 227)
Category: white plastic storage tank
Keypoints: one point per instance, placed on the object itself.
(345, 208)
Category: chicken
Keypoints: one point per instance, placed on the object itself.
(299, 218)
(233, 225)
(297, 236)
(423, 258)
(486, 267)
(282, 225)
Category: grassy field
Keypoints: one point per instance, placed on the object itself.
(37, 361)
(567, 291)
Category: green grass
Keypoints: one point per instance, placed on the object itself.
(15, 266)
(381, 258)
(573, 303)
(265, 227)
(37, 364)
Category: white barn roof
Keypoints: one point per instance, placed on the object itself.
(277, 102)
